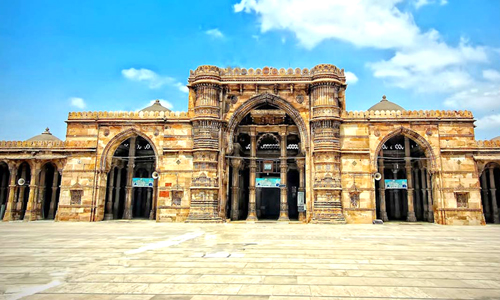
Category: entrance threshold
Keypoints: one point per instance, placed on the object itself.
(266, 222)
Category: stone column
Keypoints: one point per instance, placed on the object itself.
(283, 177)
(8, 216)
(31, 212)
(301, 166)
(127, 213)
(252, 215)
(395, 199)
(381, 189)
(149, 200)
(55, 186)
(493, 192)
(411, 209)
(422, 206)
(484, 192)
(423, 171)
(117, 192)
(20, 194)
(40, 201)
(3, 187)
(109, 203)
(430, 216)
(236, 163)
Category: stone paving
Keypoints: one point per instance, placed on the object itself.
(146, 260)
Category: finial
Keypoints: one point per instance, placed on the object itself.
(157, 101)
(384, 98)
(47, 131)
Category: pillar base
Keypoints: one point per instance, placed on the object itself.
(383, 216)
(108, 217)
(496, 218)
(252, 218)
(411, 217)
(127, 215)
(235, 215)
(284, 218)
(430, 216)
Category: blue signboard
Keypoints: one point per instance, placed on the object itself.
(269, 182)
(392, 184)
(142, 182)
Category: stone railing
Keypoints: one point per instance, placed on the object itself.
(126, 115)
(409, 114)
(268, 71)
(32, 144)
(488, 144)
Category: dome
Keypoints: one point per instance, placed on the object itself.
(45, 136)
(156, 107)
(385, 104)
(496, 138)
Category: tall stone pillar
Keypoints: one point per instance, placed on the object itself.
(301, 166)
(117, 192)
(236, 163)
(381, 189)
(40, 198)
(411, 209)
(55, 186)
(395, 197)
(417, 193)
(430, 216)
(3, 188)
(109, 203)
(484, 192)
(31, 211)
(252, 214)
(9, 210)
(493, 193)
(20, 195)
(283, 176)
(127, 214)
(423, 171)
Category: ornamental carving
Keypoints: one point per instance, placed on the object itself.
(204, 181)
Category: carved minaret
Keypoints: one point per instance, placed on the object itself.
(327, 101)
(205, 86)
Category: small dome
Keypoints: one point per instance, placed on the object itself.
(496, 138)
(45, 136)
(385, 104)
(156, 107)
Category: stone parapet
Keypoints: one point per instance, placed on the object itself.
(32, 144)
(124, 115)
(409, 114)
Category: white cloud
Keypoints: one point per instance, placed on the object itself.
(215, 33)
(482, 97)
(153, 80)
(421, 60)
(77, 102)
(351, 78)
(419, 3)
(489, 122)
(491, 75)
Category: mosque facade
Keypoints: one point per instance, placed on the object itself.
(257, 144)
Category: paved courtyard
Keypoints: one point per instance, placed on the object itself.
(146, 260)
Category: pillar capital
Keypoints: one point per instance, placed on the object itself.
(301, 162)
(237, 163)
(283, 130)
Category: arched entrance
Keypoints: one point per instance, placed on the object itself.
(4, 187)
(404, 192)
(22, 191)
(266, 164)
(130, 186)
(48, 191)
(490, 192)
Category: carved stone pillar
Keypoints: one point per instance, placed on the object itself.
(55, 186)
(493, 193)
(3, 187)
(411, 209)
(236, 163)
(395, 198)
(109, 203)
(283, 177)
(118, 182)
(252, 215)
(31, 211)
(8, 216)
(430, 216)
(381, 189)
(484, 192)
(149, 200)
(301, 163)
(422, 206)
(20, 195)
(127, 214)
(424, 193)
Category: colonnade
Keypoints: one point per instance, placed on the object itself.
(489, 193)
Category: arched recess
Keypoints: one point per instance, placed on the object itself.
(4, 187)
(420, 140)
(272, 100)
(490, 192)
(121, 198)
(48, 190)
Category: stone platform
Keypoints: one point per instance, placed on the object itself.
(146, 260)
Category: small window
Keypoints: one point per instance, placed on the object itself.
(76, 197)
(462, 199)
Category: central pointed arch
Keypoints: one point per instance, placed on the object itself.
(272, 100)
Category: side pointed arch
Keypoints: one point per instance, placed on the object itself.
(115, 142)
(420, 140)
(272, 100)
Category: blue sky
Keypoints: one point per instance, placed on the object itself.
(62, 56)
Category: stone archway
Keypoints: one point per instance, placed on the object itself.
(490, 192)
(272, 100)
